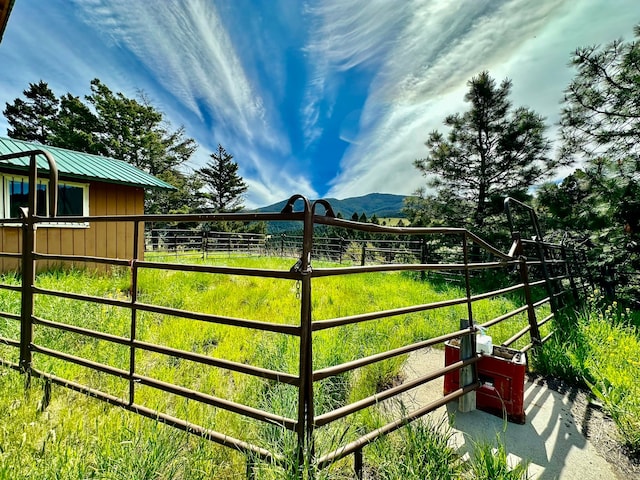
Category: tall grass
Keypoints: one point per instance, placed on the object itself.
(76, 437)
(600, 347)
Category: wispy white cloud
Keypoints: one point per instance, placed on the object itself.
(424, 78)
(186, 47)
(188, 50)
(226, 75)
(342, 36)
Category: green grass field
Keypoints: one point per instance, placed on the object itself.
(599, 346)
(76, 437)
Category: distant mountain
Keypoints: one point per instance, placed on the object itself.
(381, 204)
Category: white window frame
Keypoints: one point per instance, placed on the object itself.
(6, 178)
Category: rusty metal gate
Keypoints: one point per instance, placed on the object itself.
(532, 265)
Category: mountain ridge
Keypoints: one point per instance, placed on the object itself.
(382, 205)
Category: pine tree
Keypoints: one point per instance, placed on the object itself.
(32, 119)
(76, 127)
(223, 184)
(489, 152)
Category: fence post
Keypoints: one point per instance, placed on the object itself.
(467, 402)
(28, 280)
(423, 257)
(531, 311)
(364, 255)
(204, 244)
(547, 277)
(358, 463)
(28, 247)
(569, 271)
(305, 429)
(585, 267)
(134, 311)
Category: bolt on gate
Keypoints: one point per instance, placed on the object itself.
(452, 256)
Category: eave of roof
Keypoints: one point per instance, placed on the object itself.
(79, 166)
(5, 11)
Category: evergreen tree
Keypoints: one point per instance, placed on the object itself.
(114, 125)
(490, 151)
(76, 127)
(136, 132)
(33, 119)
(224, 187)
(600, 122)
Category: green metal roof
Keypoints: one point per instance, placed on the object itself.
(79, 166)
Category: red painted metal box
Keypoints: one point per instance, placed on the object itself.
(502, 375)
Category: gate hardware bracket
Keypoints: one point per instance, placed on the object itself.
(296, 267)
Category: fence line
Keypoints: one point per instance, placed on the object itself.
(546, 266)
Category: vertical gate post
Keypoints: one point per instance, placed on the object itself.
(531, 311)
(547, 276)
(134, 311)
(28, 280)
(305, 450)
(467, 402)
(28, 247)
(468, 375)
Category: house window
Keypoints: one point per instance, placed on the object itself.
(18, 193)
(73, 198)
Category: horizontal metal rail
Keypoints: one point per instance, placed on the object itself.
(191, 218)
(504, 317)
(194, 357)
(152, 382)
(335, 322)
(364, 361)
(10, 316)
(326, 272)
(365, 440)
(318, 325)
(351, 408)
(218, 402)
(546, 319)
(10, 342)
(82, 259)
(221, 439)
(83, 362)
(8, 364)
(247, 272)
(175, 312)
(517, 336)
(13, 288)
(265, 373)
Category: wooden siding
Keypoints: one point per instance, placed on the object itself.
(101, 239)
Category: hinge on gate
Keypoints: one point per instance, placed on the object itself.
(297, 266)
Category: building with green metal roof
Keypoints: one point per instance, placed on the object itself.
(88, 186)
(79, 166)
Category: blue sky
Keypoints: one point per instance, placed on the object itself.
(328, 98)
